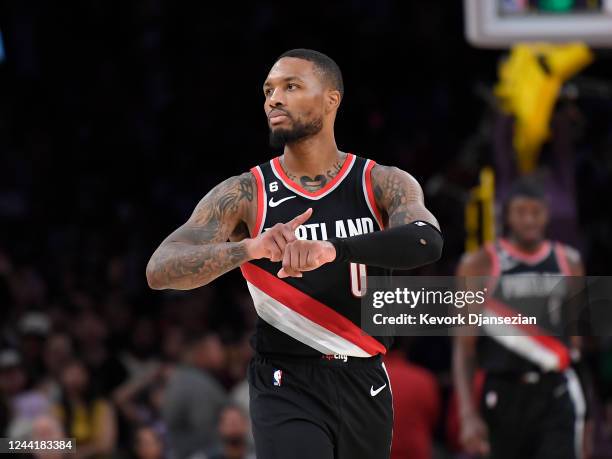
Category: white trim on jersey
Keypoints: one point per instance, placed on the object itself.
(365, 192)
(301, 328)
(577, 396)
(392, 409)
(388, 379)
(265, 200)
(352, 158)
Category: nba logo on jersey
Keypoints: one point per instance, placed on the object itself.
(278, 376)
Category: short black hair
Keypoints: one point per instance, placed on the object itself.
(324, 64)
(525, 187)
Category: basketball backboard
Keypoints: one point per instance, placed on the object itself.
(502, 23)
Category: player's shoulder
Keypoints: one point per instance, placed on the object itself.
(573, 258)
(572, 254)
(243, 183)
(383, 170)
(390, 178)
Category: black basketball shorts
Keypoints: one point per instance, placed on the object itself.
(333, 407)
(534, 415)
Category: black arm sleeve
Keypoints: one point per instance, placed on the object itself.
(403, 247)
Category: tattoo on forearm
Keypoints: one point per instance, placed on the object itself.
(183, 266)
(198, 251)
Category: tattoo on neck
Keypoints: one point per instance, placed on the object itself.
(313, 184)
(318, 181)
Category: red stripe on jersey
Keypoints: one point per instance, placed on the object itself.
(310, 308)
(348, 161)
(557, 347)
(260, 200)
(534, 332)
(370, 193)
(562, 259)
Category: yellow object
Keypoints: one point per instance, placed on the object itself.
(480, 212)
(85, 426)
(528, 87)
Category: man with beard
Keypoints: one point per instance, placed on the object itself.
(305, 228)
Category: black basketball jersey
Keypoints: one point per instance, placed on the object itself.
(527, 284)
(319, 313)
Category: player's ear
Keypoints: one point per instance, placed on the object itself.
(333, 99)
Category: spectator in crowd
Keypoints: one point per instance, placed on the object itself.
(57, 353)
(194, 398)
(5, 414)
(33, 329)
(416, 405)
(24, 404)
(47, 428)
(140, 400)
(172, 344)
(142, 355)
(239, 395)
(87, 418)
(91, 332)
(233, 428)
(147, 444)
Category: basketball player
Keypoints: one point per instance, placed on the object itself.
(532, 405)
(305, 228)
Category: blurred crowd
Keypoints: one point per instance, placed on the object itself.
(124, 385)
(117, 117)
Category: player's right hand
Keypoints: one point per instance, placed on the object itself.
(474, 435)
(271, 243)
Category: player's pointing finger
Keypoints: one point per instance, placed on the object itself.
(297, 221)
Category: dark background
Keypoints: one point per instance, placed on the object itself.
(117, 117)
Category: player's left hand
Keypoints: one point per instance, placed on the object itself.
(305, 255)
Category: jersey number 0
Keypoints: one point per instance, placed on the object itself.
(358, 279)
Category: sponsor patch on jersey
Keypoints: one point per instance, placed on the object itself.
(342, 357)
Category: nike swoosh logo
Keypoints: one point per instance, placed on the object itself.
(274, 203)
(374, 393)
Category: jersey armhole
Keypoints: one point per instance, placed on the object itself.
(368, 191)
(562, 260)
(495, 268)
(261, 201)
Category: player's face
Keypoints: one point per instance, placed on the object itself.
(294, 101)
(527, 219)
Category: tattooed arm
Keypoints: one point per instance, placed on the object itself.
(400, 197)
(198, 251)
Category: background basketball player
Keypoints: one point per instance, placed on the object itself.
(532, 405)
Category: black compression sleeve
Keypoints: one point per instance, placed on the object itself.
(402, 247)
